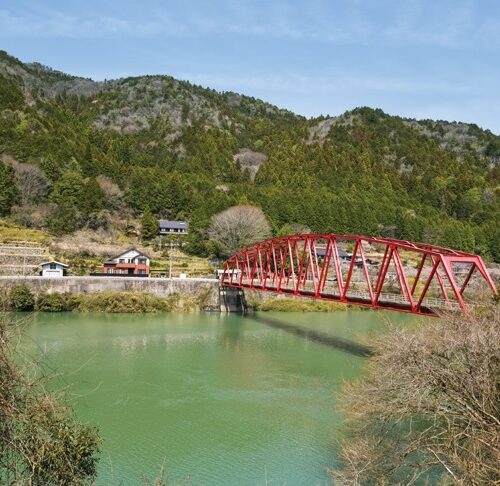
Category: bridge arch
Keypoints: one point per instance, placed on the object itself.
(381, 273)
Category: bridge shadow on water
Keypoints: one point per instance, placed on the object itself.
(319, 337)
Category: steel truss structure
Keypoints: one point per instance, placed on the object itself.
(381, 273)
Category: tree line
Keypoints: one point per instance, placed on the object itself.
(371, 174)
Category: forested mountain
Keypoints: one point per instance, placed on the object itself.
(78, 153)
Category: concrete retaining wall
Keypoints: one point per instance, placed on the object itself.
(160, 287)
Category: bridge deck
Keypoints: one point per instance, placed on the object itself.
(386, 301)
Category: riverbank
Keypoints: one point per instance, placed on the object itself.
(297, 305)
(139, 295)
(157, 293)
(117, 302)
(21, 298)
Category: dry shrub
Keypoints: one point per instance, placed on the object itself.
(31, 215)
(114, 195)
(428, 407)
(32, 181)
(40, 442)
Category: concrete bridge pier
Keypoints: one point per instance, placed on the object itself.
(232, 299)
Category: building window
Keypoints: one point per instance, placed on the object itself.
(142, 272)
(111, 270)
(142, 261)
(121, 260)
(53, 266)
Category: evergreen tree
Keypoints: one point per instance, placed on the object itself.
(64, 219)
(51, 167)
(88, 165)
(9, 191)
(93, 197)
(69, 190)
(149, 224)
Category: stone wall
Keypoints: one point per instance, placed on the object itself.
(160, 287)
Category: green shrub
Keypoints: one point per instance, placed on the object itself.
(123, 302)
(21, 298)
(296, 305)
(57, 302)
(118, 302)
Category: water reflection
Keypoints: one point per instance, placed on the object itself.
(232, 335)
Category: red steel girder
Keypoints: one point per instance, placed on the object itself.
(292, 264)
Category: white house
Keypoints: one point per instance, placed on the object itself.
(131, 262)
(53, 269)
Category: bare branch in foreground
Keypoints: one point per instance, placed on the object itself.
(429, 406)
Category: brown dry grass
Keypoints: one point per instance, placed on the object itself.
(99, 243)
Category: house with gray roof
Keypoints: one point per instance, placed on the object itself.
(173, 227)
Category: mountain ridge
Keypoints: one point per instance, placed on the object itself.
(114, 82)
(172, 146)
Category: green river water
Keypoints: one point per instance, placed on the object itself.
(214, 399)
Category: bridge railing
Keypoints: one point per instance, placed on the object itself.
(387, 297)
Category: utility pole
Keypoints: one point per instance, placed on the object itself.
(170, 259)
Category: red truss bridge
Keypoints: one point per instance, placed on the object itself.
(380, 273)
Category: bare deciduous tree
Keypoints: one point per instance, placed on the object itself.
(429, 405)
(31, 215)
(114, 195)
(237, 227)
(32, 182)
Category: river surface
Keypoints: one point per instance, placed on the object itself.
(213, 399)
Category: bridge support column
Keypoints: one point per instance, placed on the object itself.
(232, 299)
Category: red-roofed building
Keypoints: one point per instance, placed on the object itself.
(131, 262)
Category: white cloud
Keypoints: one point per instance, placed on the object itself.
(59, 25)
(300, 84)
(442, 23)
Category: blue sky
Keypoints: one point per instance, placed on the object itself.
(418, 58)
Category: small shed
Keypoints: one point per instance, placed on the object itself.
(53, 269)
